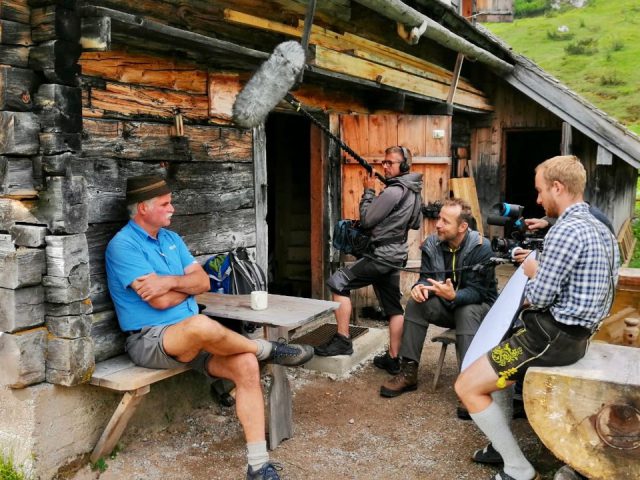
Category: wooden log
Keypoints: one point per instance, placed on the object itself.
(99, 293)
(16, 88)
(14, 56)
(22, 356)
(151, 71)
(65, 76)
(15, 10)
(53, 143)
(12, 211)
(588, 413)
(108, 339)
(73, 288)
(21, 266)
(19, 133)
(54, 22)
(16, 177)
(28, 235)
(63, 204)
(82, 307)
(133, 101)
(64, 253)
(152, 141)
(59, 108)
(69, 326)
(70, 4)
(96, 34)
(54, 55)
(21, 308)
(56, 165)
(70, 362)
(14, 33)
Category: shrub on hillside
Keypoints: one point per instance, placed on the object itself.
(611, 80)
(586, 46)
(559, 36)
(531, 8)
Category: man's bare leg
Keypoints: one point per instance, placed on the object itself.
(396, 323)
(343, 313)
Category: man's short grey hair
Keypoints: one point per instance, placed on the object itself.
(132, 208)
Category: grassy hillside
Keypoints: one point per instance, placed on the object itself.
(598, 57)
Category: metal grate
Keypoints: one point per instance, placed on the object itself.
(323, 334)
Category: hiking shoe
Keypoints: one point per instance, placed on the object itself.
(268, 471)
(387, 362)
(462, 413)
(338, 345)
(567, 473)
(289, 354)
(405, 381)
(487, 455)
(502, 475)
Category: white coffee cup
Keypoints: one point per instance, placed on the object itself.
(259, 300)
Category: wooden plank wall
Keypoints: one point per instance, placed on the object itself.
(130, 102)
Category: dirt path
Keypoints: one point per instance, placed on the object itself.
(343, 429)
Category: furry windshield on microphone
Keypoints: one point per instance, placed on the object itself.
(271, 82)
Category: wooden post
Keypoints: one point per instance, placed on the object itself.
(112, 433)
(260, 192)
(280, 404)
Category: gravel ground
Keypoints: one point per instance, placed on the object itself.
(343, 429)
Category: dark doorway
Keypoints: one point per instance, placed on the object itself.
(288, 215)
(524, 151)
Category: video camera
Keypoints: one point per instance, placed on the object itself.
(510, 217)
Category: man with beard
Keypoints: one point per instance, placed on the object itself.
(449, 293)
(388, 217)
(569, 292)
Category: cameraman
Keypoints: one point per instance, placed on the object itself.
(447, 294)
(388, 217)
(570, 291)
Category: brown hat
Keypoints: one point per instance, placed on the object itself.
(145, 187)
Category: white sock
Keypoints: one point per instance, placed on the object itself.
(257, 454)
(493, 423)
(264, 349)
(504, 399)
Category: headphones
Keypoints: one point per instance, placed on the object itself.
(405, 166)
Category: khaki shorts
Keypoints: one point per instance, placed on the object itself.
(145, 349)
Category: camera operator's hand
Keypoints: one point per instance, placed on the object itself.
(530, 267)
(420, 293)
(442, 289)
(519, 254)
(536, 223)
(369, 182)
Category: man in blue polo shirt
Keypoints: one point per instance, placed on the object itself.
(152, 279)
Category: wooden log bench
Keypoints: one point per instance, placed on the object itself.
(283, 315)
(588, 413)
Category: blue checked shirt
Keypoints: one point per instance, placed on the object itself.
(577, 269)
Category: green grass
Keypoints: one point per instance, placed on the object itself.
(9, 471)
(599, 57)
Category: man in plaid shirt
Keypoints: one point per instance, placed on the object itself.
(569, 292)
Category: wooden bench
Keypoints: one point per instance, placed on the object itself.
(122, 375)
(284, 314)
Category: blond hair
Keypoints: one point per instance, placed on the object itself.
(565, 169)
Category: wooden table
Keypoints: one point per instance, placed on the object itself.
(282, 315)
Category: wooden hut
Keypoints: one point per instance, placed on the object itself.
(92, 92)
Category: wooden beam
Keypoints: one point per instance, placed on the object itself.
(359, 68)
(14, 33)
(22, 356)
(604, 156)
(400, 12)
(566, 144)
(455, 79)
(15, 10)
(260, 189)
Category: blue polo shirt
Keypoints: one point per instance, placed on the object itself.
(131, 253)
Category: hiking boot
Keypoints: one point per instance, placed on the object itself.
(405, 381)
(387, 362)
(502, 475)
(338, 345)
(268, 471)
(289, 354)
(488, 455)
(567, 473)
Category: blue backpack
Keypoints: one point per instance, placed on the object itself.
(234, 273)
(219, 269)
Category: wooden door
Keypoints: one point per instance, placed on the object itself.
(427, 137)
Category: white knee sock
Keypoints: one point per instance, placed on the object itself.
(493, 423)
(264, 349)
(257, 454)
(504, 399)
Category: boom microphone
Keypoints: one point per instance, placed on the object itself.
(271, 82)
